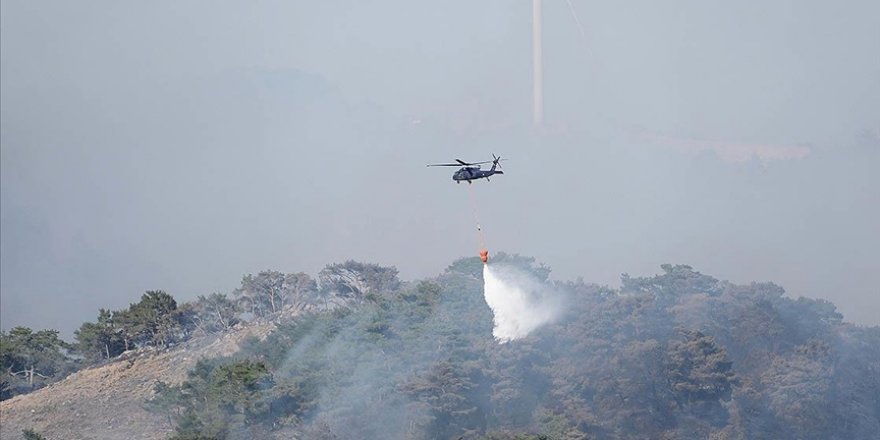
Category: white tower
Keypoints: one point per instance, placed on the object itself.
(537, 67)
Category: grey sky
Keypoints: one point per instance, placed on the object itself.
(178, 146)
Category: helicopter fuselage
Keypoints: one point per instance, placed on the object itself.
(473, 173)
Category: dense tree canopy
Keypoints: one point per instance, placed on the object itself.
(677, 355)
(359, 354)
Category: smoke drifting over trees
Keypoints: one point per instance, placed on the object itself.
(361, 354)
(676, 355)
(177, 145)
(296, 137)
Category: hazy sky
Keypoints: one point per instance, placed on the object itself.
(180, 145)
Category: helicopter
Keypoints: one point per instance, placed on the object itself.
(469, 172)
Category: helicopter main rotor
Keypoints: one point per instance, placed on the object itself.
(460, 162)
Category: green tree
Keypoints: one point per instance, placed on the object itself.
(101, 339)
(797, 386)
(166, 401)
(220, 399)
(698, 369)
(354, 280)
(32, 359)
(468, 266)
(675, 281)
(212, 313)
(154, 320)
(270, 291)
(455, 401)
(30, 434)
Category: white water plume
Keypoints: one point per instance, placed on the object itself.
(518, 301)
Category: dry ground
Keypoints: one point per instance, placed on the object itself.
(107, 402)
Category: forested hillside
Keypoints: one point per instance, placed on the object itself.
(359, 354)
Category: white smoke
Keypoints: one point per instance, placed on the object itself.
(520, 303)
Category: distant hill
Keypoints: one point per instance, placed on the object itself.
(676, 355)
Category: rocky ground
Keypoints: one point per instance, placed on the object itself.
(107, 402)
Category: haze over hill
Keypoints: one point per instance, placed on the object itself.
(359, 354)
(151, 154)
(175, 146)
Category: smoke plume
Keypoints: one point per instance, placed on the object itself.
(518, 301)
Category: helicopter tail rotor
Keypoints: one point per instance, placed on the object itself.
(496, 162)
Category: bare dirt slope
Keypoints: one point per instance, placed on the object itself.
(107, 402)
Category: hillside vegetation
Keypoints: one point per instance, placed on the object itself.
(107, 401)
(358, 354)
